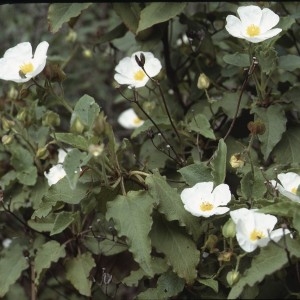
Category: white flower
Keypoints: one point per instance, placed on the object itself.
(57, 172)
(254, 229)
(290, 183)
(255, 24)
(129, 119)
(19, 65)
(130, 73)
(203, 200)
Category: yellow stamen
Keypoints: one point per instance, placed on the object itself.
(139, 75)
(294, 190)
(256, 235)
(205, 206)
(137, 121)
(253, 30)
(26, 68)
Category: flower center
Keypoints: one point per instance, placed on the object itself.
(137, 121)
(253, 30)
(205, 206)
(256, 235)
(26, 68)
(294, 190)
(139, 75)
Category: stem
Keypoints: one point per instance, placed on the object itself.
(250, 72)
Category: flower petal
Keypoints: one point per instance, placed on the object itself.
(249, 15)
(234, 26)
(268, 20)
(21, 51)
(221, 194)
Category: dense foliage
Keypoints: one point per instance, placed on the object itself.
(194, 194)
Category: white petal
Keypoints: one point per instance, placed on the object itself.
(250, 15)
(269, 20)
(221, 194)
(22, 50)
(127, 119)
(55, 174)
(234, 26)
(264, 222)
(245, 243)
(289, 179)
(262, 37)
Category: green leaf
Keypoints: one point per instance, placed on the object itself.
(168, 285)
(237, 59)
(159, 266)
(270, 259)
(60, 13)
(86, 110)
(289, 62)
(274, 120)
(47, 254)
(77, 141)
(158, 12)
(210, 282)
(78, 272)
(132, 217)
(229, 102)
(129, 13)
(218, 163)
(253, 187)
(286, 22)
(42, 224)
(21, 158)
(62, 221)
(287, 150)
(267, 58)
(170, 204)
(12, 264)
(27, 176)
(200, 124)
(72, 164)
(180, 251)
(118, 32)
(195, 173)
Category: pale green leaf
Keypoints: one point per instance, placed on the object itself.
(159, 266)
(86, 110)
(62, 221)
(253, 187)
(158, 12)
(129, 13)
(27, 176)
(218, 163)
(72, 164)
(287, 150)
(132, 217)
(180, 251)
(168, 285)
(210, 282)
(200, 124)
(237, 59)
(289, 62)
(195, 173)
(78, 272)
(60, 13)
(12, 264)
(77, 141)
(171, 205)
(274, 120)
(49, 253)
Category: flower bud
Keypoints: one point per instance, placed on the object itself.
(87, 53)
(256, 127)
(232, 277)
(42, 153)
(203, 82)
(12, 93)
(96, 150)
(51, 119)
(100, 124)
(72, 36)
(225, 256)
(7, 124)
(228, 230)
(77, 126)
(236, 161)
(7, 139)
(23, 115)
